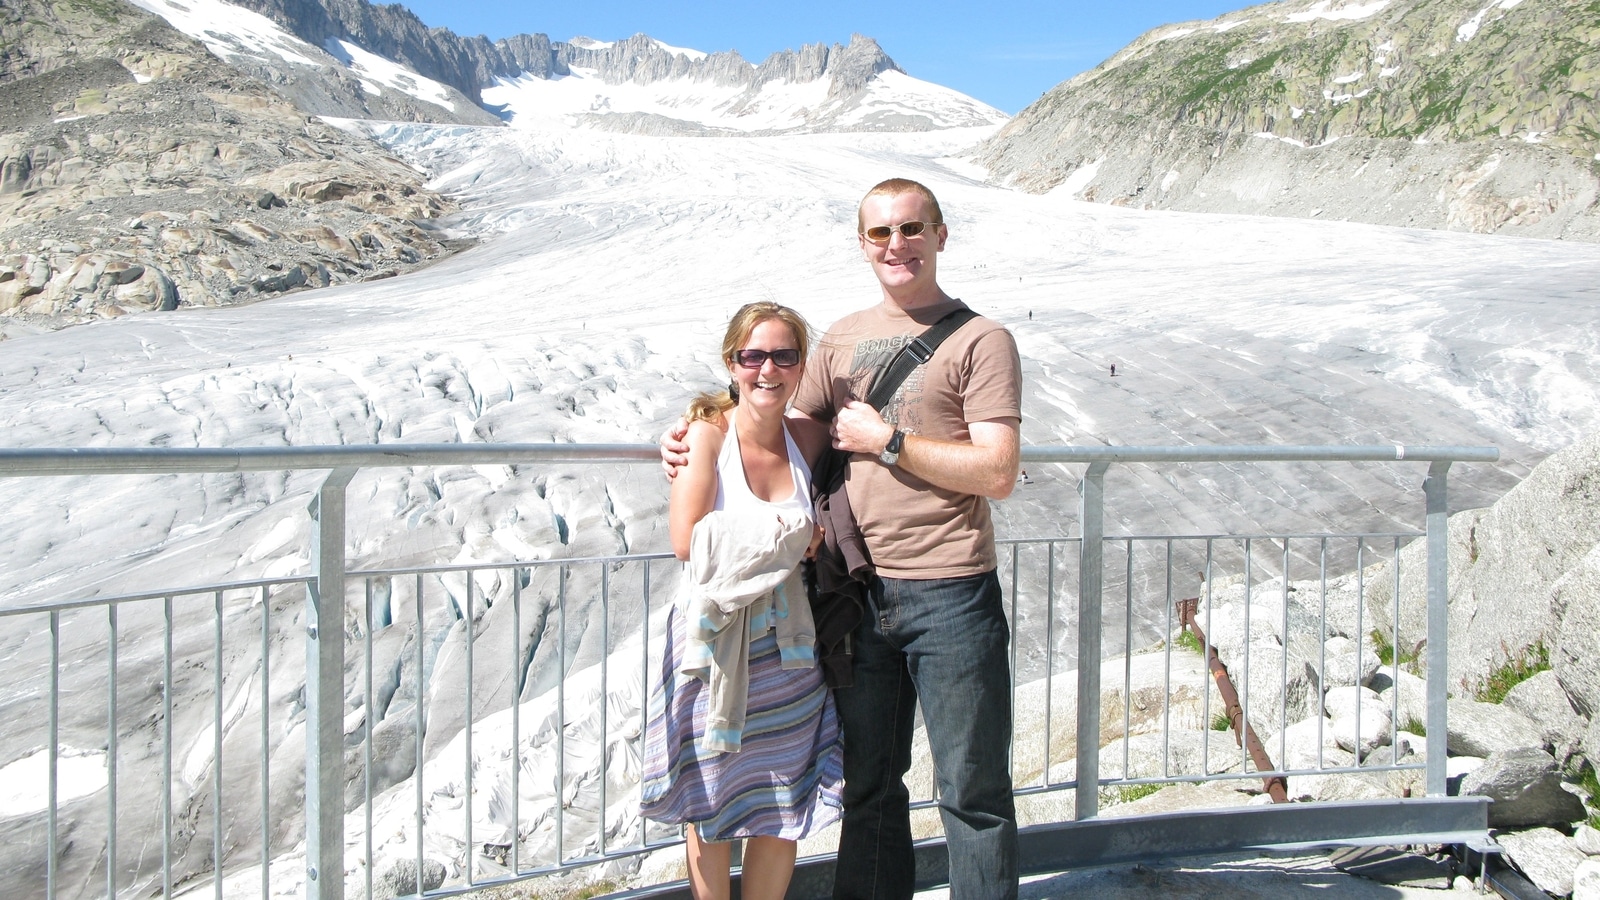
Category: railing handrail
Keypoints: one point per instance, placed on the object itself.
(1250, 453)
(325, 600)
(169, 460)
(227, 587)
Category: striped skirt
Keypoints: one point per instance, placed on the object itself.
(785, 780)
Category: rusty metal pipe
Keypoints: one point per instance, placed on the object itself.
(1276, 786)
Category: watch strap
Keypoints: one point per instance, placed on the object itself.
(891, 451)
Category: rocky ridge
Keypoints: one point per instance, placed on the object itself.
(1476, 115)
(138, 172)
(469, 64)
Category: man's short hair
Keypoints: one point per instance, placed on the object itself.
(894, 187)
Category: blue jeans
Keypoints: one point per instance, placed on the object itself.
(944, 642)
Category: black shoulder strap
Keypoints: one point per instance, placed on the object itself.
(918, 351)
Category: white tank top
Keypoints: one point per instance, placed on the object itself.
(733, 492)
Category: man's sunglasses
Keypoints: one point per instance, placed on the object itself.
(755, 359)
(880, 234)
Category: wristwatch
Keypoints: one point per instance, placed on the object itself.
(891, 451)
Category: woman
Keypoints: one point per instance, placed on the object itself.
(742, 740)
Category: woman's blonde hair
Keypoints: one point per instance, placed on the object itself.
(713, 406)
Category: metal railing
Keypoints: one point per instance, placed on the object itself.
(199, 666)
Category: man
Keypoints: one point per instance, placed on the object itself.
(920, 478)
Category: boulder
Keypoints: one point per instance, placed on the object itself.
(1575, 656)
(1348, 662)
(1349, 700)
(1309, 744)
(1589, 744)
(1505, 565)
(1272, 645)
(1588, 839)
(1408, 693)
(1407, 744)
(1364, 732)
(1549, 858)
(1525, 787)
(1158, 756)
(1480, 729)
(1361, 722)
(1134, 693)
(120, 272)
(1456, 770)
(1586, 880)
(400, 879)
(153, 290)
(1543, 700)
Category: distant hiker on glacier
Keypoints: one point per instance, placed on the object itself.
(921, 474)
(742, 739)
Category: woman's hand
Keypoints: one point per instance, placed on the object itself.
(674, 452)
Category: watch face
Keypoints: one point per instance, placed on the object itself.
(891, 452)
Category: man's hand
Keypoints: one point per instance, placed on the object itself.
(674, 452)
(858, 428)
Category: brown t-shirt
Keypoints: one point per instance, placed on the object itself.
(913, 529)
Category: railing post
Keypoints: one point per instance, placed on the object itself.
(1091, 517)
(1434, 488)
(325, 693)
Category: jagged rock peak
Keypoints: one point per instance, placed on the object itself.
(470, 64)
(642, 60)
(849, 66)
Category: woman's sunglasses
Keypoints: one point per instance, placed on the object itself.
(880, 234)
(755, 359)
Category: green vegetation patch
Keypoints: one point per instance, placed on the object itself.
(1590, 784)
(1111, 796)
(1386, 653)
(1222, 81)
(1517, 668)
(109, 10)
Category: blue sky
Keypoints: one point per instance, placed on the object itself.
(1006, 54)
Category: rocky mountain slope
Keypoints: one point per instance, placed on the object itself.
(138, 172)
(1476, 115)
(158, 154)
